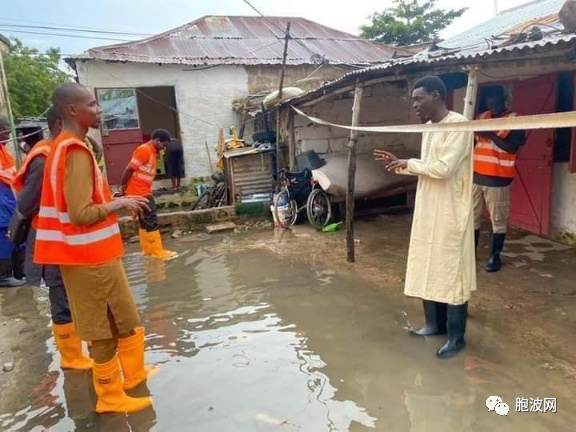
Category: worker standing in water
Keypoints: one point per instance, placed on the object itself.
(495, 157)
(441, 261)
(27, 186)
(137, 180)
(78, 231)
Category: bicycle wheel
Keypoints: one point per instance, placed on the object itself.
(318, 209)
(286, 214)
(203, 202)
(220, 195)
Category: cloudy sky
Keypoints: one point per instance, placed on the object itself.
(155, 16)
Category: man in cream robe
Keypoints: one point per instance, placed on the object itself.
(441, 259)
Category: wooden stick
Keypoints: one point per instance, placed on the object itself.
(352, 173)
(209, 157)
(291, 142)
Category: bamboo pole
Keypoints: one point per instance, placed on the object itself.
(352, 149)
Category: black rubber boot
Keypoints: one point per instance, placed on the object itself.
(435, 314)
(18, 260)
(495, 262)
(6, 278)
(476, 242)
(457, 316)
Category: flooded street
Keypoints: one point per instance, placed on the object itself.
(248, 339)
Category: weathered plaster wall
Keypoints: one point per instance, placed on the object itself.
(307, 77)
(203, 98)
(381, 105)
(563, 218)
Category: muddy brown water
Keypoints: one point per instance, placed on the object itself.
(250, 341)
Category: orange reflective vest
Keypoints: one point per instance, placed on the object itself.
(7, 166)
(143, 163)
(58, 240)
(42, 148)
(491, 160)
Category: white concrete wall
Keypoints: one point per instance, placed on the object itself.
(563, 201)
(203, 98)
(381, 105)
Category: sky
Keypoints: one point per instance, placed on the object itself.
(155, 16)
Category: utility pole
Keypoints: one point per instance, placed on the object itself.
(14, 140)
(352, 150)
(282, 73)
(495, 7)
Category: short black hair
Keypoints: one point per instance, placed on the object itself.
(52, 116)
(432, 84)
(65, 94)
(496, 92)
(162, 134)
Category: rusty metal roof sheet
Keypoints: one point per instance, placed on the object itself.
(250, 40)
(543, 12)
(444, 57)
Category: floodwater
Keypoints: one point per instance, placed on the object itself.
(250, 341)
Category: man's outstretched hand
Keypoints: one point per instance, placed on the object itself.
(391, 161)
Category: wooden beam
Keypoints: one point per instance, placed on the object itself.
(352, 149)
(291, 141)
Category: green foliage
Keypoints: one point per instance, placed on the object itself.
(32, 76)
(409, 22)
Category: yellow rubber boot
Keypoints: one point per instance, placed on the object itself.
(107, 380)
(70, 347)
(131, 355)
(155, 245)
(144, 244)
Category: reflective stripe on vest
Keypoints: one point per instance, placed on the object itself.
(58, 240)
(78, 239)
(491, 160)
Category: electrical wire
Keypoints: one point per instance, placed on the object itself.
(64, 35)
(72, 29)
(54, 24)
(298, 41)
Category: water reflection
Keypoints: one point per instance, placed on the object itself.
(250, 342)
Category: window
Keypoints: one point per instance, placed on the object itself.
(119, 108)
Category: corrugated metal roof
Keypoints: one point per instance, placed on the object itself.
(460, 57)
(215, 40)
(507, 21)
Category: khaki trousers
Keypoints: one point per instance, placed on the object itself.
(497, 201)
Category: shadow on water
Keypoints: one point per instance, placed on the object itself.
(247, 341)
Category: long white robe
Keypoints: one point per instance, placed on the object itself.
(441, 258)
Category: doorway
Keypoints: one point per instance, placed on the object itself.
(129, 116)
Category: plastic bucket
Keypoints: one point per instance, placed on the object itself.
(200, 189)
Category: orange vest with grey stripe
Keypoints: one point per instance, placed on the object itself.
(58, 240)
(491, 160)
(41, 148)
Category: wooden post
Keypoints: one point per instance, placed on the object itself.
(471, 95)
(352, 173)
(280, 87)
(291, 142)
(14, 139)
